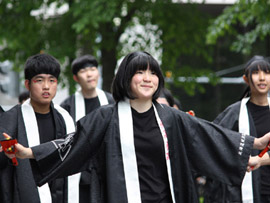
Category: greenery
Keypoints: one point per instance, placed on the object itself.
(248, 21)
(97, 27)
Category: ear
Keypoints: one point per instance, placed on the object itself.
(27, 84)
(246, 79)
(75, 78)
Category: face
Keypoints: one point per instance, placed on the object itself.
(144, 84)
(87, 78)
(261, 82)
(42, 89)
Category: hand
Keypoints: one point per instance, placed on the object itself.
(253, 163)
(21, 151)
(262, 142)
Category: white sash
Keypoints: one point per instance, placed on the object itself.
(32, 133)
(247, 189)
(80, 104)
(129, 154)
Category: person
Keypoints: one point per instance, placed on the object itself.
(251, 116)
(23, 97)
(145, 149)
(36, 121)
(85, 100)
(166, 97)
(88, 97)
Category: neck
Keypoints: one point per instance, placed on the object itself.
(260, 100)
(141, 105)
(43, 109)
(89, 93)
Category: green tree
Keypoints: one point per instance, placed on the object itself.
(247, 21)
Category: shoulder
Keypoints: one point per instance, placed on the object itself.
(109, 97)
(68, 100)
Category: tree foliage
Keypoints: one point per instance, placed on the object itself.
(96, 27)
(247, 20)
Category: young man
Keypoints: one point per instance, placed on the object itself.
(34, 122)
(84, 101)
(88, 97)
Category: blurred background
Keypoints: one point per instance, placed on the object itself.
(201, 45)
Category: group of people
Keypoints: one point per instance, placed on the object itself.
(126, 146)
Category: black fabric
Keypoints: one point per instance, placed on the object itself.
(193, 143)
(46, 127)
(69, 103)
(91, 104)
(89, 182)
(150, 153)
(261, 119)
(216, 191)
(1, 109)
(17, 184)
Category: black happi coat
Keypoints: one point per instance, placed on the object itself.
(17, 184)
(193, 143)
(218, 192)
(69, 104)
(89, 183)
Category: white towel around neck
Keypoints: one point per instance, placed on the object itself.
(80, 104)
(32, 134)
(246, 188)
(129, 154)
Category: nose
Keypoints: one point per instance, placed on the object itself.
(147, 75)
(261, 75)
(46, 84)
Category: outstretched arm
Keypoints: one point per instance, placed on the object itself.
(256, 162)
(262, 142)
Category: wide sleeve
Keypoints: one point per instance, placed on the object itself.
(63, 157)
(215, 151)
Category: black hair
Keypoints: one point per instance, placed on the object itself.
(41, 64)
(165, 93)
(83, 62)
(121, 87)
(23, 96)
(254, 64)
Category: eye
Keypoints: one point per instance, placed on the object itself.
(53, 80)
(37, 80)
(139, 72)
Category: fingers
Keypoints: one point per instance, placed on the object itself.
(6, 136)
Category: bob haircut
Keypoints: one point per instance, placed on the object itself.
(83, 62)
(256, 63)
(41, 64)
(133, 62)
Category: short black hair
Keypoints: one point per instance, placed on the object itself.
(41, 64)
(83, 62)
(140, 60)
(165, 93)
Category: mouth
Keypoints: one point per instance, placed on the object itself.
(46, 94)
(262, 86)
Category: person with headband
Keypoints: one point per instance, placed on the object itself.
(36, 121)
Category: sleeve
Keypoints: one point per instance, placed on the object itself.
(63, 157)
(215, 151)
(229, 117)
